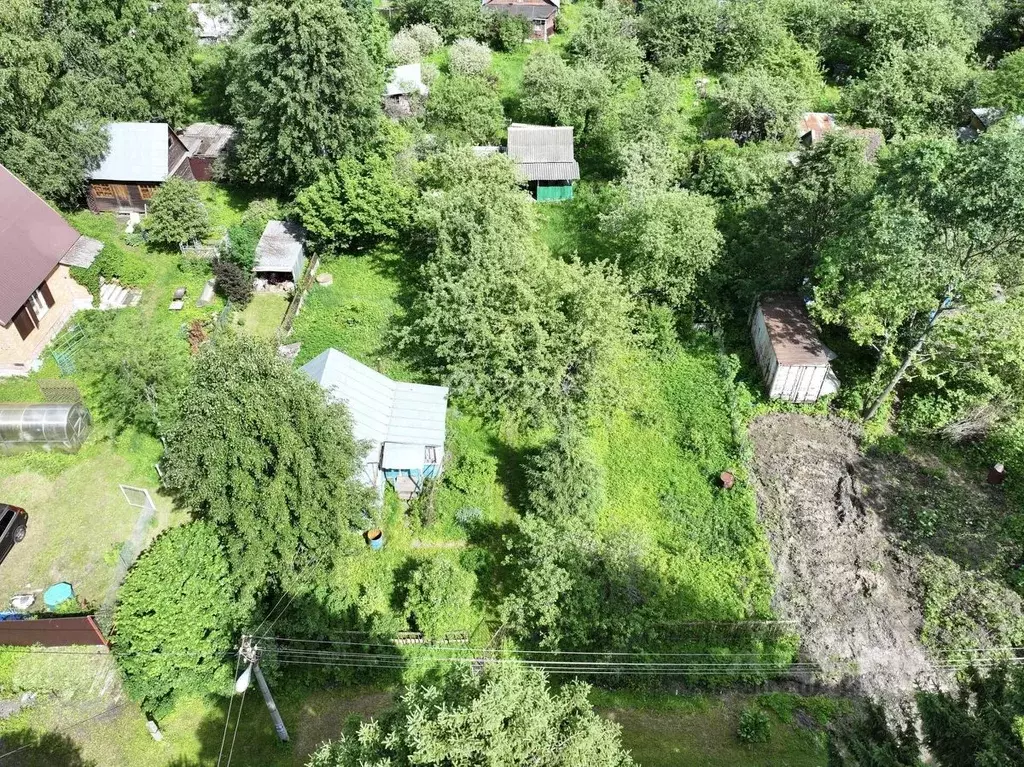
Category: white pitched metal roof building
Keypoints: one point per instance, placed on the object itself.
(404, 423)
(138, 152)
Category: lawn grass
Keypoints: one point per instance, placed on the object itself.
(262, 317)
(78, 517)
(359, 313)
(671, 731)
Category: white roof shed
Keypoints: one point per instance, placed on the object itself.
(400, 421)
(137, 152)
(405, 80)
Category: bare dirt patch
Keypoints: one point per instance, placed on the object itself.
(851, 593)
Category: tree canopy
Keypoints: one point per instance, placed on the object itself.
(175, 618)
(256, 450)
(508, 715)
(306, 92)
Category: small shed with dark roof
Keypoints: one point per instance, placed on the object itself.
(795, 364)
(280, 254)
(545, 157)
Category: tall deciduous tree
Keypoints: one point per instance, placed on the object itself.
(680, 35)
(466, 109)
(177, 214)
(306, 91)
(47, 137)
(514, 330)
(663, 238)
(175, 617)
(356, 204)
(257, 450)
(507, 716)
(758, 104)
(557, 93)
(943, 231)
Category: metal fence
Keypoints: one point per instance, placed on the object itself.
(139, 498)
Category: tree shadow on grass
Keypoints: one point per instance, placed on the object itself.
(30, 748)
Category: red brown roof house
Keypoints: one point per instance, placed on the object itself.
(540, 13)
(140, 158)
(813, 125)
(37, 294)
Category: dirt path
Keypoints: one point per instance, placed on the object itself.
(851, 593)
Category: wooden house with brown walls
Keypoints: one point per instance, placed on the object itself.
(540, 14)
(140, 157)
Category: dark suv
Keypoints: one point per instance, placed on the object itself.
(13, 526)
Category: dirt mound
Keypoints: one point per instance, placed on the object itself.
(837, 576)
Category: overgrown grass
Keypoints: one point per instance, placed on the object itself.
(662, 461)
(677, 731)
(359, 314)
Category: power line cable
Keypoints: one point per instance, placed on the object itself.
(227, 717)
(238, 721)
(65, 728)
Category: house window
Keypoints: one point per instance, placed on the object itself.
(103, 190)
(41, 300)
(146, 192)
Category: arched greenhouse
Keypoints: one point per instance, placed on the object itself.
(43, 426)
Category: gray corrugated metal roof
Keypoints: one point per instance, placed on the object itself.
(543, 153)
(406, 79)
(207, 139)
(279, 248)
(138, 152)
(383, 411)
(83, 252)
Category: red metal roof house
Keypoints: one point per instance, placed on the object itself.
(540, 13)
(37, 294)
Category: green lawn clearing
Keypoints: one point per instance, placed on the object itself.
(359, 314)
(690, 731)
(262, 317)
(78, 517)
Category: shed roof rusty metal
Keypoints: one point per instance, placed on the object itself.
(815, 123)
(543, 152)
(33, 240)
(793, 337)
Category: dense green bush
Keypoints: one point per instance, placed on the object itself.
(233, 283)
(564, 478)
(133, 370)
(755, 726)
(439, 599)
(176, 215)
(112, 263)
(175, 619)
(507, 715)
(506, 32)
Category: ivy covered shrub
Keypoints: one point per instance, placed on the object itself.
(112, 263)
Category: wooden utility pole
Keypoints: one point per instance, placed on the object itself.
(251, 654)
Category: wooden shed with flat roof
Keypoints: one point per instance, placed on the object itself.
(795, 365)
